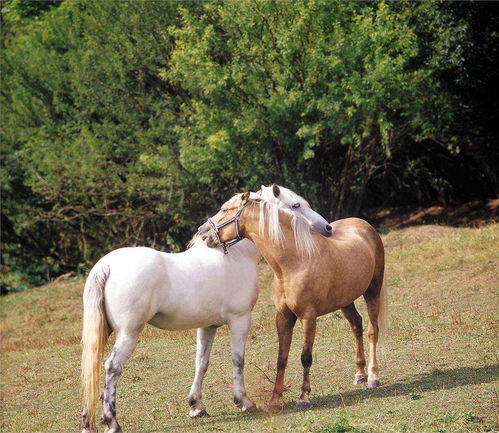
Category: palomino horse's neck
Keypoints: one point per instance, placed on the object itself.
(281, 257)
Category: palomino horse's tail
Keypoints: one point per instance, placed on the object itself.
(383, 313)
(94, 337)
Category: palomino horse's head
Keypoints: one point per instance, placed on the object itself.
(286, 199)
(224, 228)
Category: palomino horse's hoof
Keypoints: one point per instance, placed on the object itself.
(359, 380)
(302, 405)
(373, 383)
(273, 408)
(198, 413)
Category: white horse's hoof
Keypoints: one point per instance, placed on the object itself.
(248, 408)
(113, 430)
(244, 404)
(198, 413)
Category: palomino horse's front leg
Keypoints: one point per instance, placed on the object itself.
(239, 328)
(123, 348)
(285, 322)
(309, 327)
(205, 337)
(355, 320)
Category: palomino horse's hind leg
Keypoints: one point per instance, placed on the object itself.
(372, 298)
(205, 337)
(355, 320)
(123, 348)
(239, 328)
(285, 322)
(309, 327)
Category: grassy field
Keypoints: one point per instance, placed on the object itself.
(439, 369)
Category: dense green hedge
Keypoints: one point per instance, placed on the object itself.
(126, 123)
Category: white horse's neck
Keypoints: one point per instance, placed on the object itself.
(243, 250)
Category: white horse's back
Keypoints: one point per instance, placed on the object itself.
(196, 288)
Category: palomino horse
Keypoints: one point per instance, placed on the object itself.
(313, 275)
(199, 288)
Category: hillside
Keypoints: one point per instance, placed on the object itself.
(439, 369)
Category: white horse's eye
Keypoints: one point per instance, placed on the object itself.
(296, 205)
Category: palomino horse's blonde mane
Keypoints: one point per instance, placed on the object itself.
(269, 225)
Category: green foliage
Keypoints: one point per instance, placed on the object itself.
(89, 145)
(126, 123)
(319, 96)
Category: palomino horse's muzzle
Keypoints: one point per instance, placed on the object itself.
(235, 219)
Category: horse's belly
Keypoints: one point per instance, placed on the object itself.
(174, 322)
(200, 303)
(326, 297)
(340, 300)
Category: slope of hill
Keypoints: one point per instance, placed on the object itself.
(439, 368)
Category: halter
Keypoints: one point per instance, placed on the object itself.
(235, 220)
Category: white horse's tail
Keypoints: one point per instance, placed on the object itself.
(383, 313)
(94, 337)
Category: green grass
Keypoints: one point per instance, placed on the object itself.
(439, 368)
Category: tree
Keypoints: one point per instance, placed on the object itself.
(89, 146)
(318, 96)
(126, 123)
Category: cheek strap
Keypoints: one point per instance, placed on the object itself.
(216, 228)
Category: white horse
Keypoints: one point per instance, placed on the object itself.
(200, 288)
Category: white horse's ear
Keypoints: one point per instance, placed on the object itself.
(245, 196)
(276, 190)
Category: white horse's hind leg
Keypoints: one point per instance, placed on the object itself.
(205, 337)
(123, 348)
(239, 328)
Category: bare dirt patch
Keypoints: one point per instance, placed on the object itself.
(472, 214)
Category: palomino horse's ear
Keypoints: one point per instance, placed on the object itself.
(245, 196)
(276, 190)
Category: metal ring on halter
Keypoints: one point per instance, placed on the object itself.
(235, 220)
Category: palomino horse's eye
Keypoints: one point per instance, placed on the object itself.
(296, 205)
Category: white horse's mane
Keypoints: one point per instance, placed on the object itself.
(269, 225)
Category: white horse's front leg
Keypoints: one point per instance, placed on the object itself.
(239, 328)
(205, 337)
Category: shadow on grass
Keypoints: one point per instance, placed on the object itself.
(436, 380)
